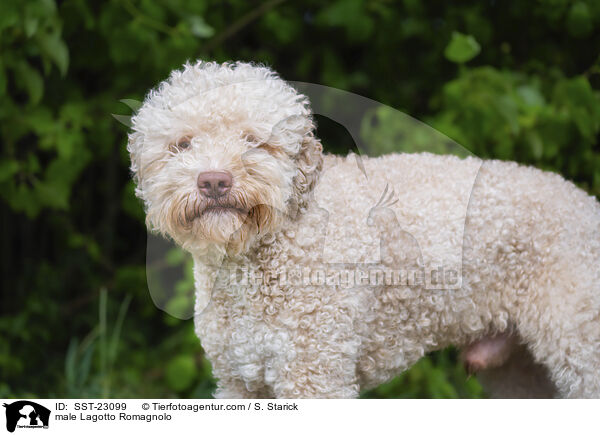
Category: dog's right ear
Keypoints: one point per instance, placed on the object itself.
(309, 162)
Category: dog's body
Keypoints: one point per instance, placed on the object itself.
(519, 250)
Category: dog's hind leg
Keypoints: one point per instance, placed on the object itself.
(561, 328)
(573, 361)
(574, 369)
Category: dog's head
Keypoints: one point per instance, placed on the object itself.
(222, 153)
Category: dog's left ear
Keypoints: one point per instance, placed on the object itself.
(309, 162)
(134, 146)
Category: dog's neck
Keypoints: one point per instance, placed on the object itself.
(214, 266)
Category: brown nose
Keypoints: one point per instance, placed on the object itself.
(214, 184)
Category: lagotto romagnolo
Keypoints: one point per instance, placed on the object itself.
(227, 163)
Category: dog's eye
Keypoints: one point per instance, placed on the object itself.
(269, 148)
(251, 139)
(184, 143)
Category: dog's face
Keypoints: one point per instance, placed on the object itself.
(221, 153)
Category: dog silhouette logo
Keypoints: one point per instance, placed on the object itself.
(26, 414)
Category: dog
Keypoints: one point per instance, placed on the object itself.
(227, 163)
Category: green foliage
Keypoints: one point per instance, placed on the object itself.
(461, 48)
(509, 80)
(435, 377)
(529, 118)
(181, 372)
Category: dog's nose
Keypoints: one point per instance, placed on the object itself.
(214, 184)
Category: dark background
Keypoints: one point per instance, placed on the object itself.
(511, 80)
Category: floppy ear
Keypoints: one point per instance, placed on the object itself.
(134, 146)
(309, 162)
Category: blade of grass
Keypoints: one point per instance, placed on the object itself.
(103, 342)
(116, 334)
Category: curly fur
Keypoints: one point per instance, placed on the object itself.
(526, 243)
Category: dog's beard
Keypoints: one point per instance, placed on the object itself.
(231, 223)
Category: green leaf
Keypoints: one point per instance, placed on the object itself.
(579, 20)
(531, 96)
(535, 144)
(123, 119)
(175, 256)
(7, 169)
(180, 307)
(130, 204)
(53, 194)
(23, 199)
(462, 48)
(350, 14)
(31, 25)
(9, 16)
(199, 27)
(55, 49)
(31, 80)
(181, 372)
(132, 104)
(3, 80)
(577, 97)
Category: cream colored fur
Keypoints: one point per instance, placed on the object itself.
(525, 244)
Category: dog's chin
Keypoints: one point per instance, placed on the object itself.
(220, 222)
(227, 228)
(220, 210)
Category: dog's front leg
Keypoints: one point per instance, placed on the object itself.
(330, 376)
(232, 389)
(236, 389)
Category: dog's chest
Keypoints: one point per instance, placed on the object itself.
(243, 325)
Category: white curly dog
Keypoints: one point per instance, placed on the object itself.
(228, 166)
